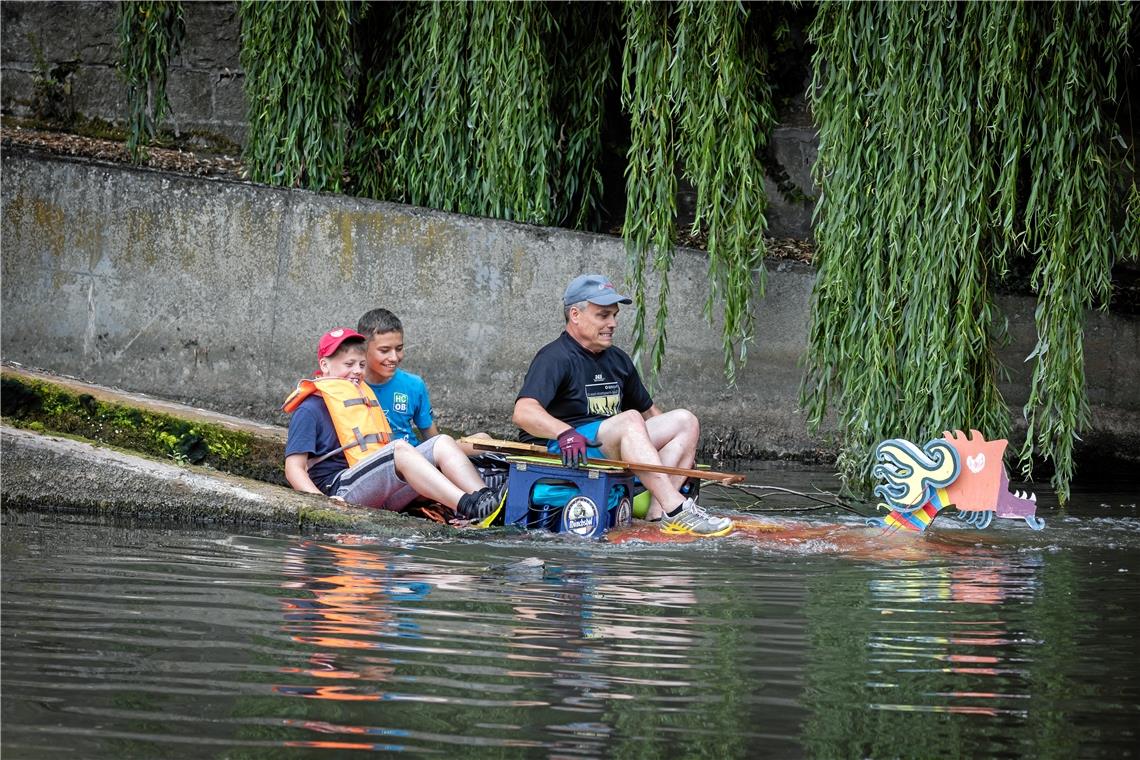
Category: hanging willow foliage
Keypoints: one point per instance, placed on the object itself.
(650, 228)
(508, 79)
(299, 61)
(696, 92)
(952, 138)
(1070, 215)
(467, 120)
(150, 34)
(725, 117)
(415, 146)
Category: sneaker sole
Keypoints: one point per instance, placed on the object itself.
(681, 530)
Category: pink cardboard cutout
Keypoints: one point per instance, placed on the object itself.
(979, 481)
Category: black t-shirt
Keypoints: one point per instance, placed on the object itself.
(578, 386)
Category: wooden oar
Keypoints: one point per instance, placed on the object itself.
(530, 449)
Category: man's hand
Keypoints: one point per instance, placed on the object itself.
(573, 446)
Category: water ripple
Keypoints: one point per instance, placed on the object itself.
(138, 642)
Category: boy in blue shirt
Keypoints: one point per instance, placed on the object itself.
(403, 396)
(386, 473)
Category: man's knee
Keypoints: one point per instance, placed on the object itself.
(676, 421)
(689, 421)
(622, 424)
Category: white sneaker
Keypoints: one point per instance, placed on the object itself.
(694, 520)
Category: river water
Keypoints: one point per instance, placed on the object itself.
(804, 635)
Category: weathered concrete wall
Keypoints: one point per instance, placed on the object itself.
(215, 292)
(76, 46)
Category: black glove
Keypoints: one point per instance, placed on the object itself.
(573, 446)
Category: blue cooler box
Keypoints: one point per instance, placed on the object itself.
(586, 501)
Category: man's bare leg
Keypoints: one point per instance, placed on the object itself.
(675, 434)
(626, 436)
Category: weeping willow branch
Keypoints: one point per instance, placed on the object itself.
(299, 62)
(462, 119)
(651, 178)
(508, 78)
(150, 34)
(725, 117)
(1070, 217)
(952, 138)
(696, 92)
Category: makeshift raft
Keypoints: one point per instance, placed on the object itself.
(588, 500)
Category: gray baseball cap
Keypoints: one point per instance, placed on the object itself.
(594, 288)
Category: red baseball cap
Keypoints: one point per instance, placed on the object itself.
(331, 341)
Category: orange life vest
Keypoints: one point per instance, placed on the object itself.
(356, 414)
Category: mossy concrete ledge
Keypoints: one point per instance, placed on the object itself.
(45, 473)
(45, 403)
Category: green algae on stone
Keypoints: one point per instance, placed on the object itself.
(44, 407)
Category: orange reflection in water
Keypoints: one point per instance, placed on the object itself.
(798, 537)
(347, 607)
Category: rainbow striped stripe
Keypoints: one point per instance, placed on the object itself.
(920, 518)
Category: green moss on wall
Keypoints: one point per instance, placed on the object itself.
(44, 407)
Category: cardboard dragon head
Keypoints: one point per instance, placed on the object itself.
(959, 470)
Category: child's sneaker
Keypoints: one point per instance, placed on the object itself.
(693, 519)
(483, 503)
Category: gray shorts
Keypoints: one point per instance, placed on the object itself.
(373, 481)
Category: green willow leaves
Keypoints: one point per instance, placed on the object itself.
(953, 138)
(695, 91)
(150, 34)
(299, 64)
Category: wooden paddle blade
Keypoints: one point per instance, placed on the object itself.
(493, 444)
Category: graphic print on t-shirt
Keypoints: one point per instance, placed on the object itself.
(603, 399)
(400, 402)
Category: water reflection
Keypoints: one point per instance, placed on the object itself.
(797, 638)
(964, 639)
(521, 645)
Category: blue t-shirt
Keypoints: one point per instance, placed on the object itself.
(311, 432)
(405, 402)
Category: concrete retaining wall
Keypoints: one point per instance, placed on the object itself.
(51, 474)
(214, 293)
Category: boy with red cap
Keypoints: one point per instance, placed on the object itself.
(340, 444)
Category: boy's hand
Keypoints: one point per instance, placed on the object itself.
(338, 501)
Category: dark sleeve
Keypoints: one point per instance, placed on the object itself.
(543, 378)
(302, 432)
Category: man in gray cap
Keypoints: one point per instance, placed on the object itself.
(583, 397)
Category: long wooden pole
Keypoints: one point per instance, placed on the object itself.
(530, 449)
